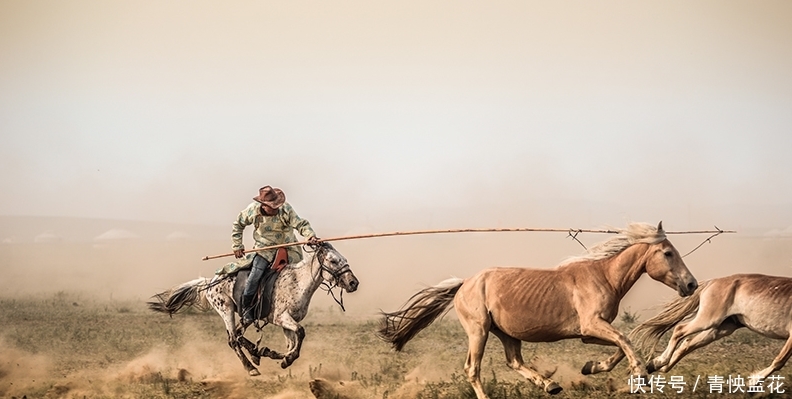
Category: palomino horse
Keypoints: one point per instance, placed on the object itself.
(721, 306)
(578, 299)
(294, 287)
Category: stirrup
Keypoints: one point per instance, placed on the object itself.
(247, 319)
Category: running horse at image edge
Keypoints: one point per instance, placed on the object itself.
(719, 307)
(293, 290)
(578, 299)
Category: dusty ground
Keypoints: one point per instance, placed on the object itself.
(73, 322)
(69, 346)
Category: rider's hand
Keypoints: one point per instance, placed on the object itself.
(314, 240)
(238, 253)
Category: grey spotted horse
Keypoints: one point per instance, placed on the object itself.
(293, 289)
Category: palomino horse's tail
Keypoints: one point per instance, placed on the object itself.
(191, 293)
(418, 313)
(648, 333)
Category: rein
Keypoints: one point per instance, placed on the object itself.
(329, 288)
(336, 274)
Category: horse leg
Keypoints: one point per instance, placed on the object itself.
(224, 306)
(600, 329)
(703, 338)
(251, 348)
(681, 331)
(512, 347)
(477, 328)
(291, 339)
(233, 342)
(295, 334)
(592, 367)
(267, 352)
(778, 362)
(477, 340)
(294, 352)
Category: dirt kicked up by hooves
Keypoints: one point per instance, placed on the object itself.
(324, 389)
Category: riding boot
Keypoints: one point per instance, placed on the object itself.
(247, 309)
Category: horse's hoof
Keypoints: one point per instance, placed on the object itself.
(650, 367)
(287, 361)
(254, 372)
(553, 388)
(588, 368)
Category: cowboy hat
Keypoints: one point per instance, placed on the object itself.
(272, 197)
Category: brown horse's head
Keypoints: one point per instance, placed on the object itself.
(664, 264)
(335, 268)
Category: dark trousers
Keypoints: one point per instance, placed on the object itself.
(260, 265)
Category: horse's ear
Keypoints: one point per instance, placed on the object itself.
(660, 227)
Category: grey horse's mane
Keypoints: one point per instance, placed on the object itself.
(634, 233)
(309, 254)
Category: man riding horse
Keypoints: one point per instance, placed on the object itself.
(274, 220)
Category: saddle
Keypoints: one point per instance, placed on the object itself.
(281, 260)
(262, 303)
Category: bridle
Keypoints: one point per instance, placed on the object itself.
(335, 274)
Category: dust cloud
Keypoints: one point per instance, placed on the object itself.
(19, 370)
(390, 269)
(203, 359)
(134, 267)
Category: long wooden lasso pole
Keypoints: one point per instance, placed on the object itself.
(416, 232)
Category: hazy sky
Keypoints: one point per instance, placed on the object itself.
(377, 115)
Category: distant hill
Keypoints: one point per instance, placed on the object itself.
(29, 229)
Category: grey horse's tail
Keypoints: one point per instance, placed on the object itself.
(418, 312)
(191, 293)
(647, 334)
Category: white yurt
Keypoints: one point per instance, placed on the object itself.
(115, 235)
(177, 236)
(47, 237)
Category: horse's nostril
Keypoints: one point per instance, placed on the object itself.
(692, 286)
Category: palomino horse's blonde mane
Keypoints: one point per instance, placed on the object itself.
(634, 233)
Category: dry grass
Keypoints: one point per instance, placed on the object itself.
(69, 346)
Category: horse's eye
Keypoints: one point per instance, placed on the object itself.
(668, 254)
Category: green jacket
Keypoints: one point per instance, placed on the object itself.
(271, 230)
(239, 264)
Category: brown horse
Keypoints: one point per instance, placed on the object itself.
(578, 299)
(721, 306)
